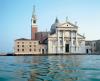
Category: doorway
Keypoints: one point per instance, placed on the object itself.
(66, 47)
(42, 51)
(87, 51)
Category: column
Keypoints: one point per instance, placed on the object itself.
(71, 41)
(76, 41)
(63, 42)
(57, 41)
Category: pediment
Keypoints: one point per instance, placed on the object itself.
(80, 36)
(67, 24)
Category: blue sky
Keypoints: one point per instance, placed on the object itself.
(15, 18)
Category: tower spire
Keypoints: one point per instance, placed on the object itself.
(34, 19)
(33, 13)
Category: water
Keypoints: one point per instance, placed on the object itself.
(50, 68)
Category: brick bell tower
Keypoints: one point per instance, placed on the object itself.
(33, 25)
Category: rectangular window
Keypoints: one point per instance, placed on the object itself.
(30, 50)
(35, 42)
(74, 42)
(22, 45)
(22, 49)
(61, 41)
(22, 42)
(17, 49)
(39, 50)
(17, 45)
(34, 45)
(17, 42)
(34, 49)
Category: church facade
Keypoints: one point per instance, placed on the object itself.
(64, 38)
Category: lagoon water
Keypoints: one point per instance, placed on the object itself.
(50, 68)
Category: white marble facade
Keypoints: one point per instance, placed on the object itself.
(64, 38)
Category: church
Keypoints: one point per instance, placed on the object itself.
(63, 38)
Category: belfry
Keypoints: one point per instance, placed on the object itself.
(33, 25)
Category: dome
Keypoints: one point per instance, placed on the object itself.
(53, 26)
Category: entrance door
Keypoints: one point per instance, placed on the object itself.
(87, 51)
(42, 51)
(66, 47)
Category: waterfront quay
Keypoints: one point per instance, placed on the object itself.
(12, 54)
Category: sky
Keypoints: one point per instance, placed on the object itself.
(15, 18)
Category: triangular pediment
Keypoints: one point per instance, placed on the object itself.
(80, 36)
(67, 24)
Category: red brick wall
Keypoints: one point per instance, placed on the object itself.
(41, 36)
(33, 31)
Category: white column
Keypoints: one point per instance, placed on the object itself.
(49, 46)
(63, 43)
(57, 41)
(76, 42)
(71, 41)
(76, 39)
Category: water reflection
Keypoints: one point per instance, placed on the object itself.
(50, 68)
(59, 68)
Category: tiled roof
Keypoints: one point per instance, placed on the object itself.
(22, 39)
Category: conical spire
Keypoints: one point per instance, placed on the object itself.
(56, 20)
(33, 13)
(34, 18)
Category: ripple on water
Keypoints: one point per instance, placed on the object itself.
(50, 68)
(3, 79)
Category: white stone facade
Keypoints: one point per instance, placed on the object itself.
(90, 46)
(64, 38)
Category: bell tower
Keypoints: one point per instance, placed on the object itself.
(33, 25)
